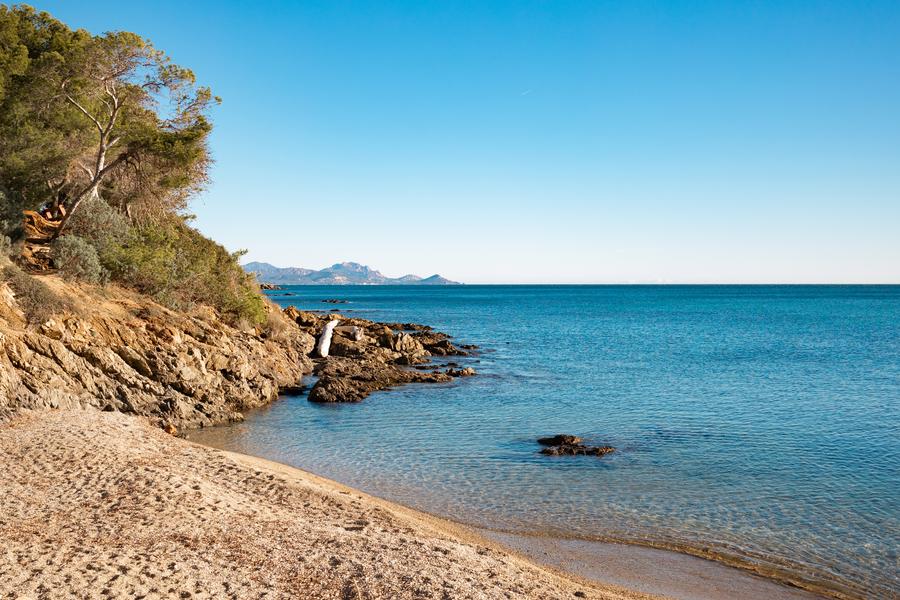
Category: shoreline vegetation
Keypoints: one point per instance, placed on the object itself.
(121, 324)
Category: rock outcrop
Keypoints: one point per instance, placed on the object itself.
(366, 356)
(351, 380)
(116, 350)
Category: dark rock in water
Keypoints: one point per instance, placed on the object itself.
(335, 301)
(346, 380)
(570, 445)
(559, 440)
(577, 450)
(467, 372)
(438, 344)
(269, 286)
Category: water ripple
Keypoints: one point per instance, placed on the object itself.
(759, 423)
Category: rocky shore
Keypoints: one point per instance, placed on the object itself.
(115, 350)
(366, 356)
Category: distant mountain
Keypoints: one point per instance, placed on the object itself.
(346, 273)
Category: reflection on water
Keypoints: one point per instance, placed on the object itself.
(758, 422)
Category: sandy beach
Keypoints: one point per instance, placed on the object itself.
(99, 504)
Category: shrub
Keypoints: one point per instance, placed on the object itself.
(77, 259)
(36, 300)
(99, 224)
(5, 246)
(277, 327)
(179, 267)
(10, 216)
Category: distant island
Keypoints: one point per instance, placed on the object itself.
(346, 273)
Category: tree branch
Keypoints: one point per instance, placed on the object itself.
(86, 113)
(87, 170)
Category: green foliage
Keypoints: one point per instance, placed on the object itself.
(100, 224)
(178, 267)
(104, 132)
(78, 260)
(80, 112)
(36, 300)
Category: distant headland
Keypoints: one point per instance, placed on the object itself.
(346, 273)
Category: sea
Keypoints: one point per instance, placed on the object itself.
(757, 425)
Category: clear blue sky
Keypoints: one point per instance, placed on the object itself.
(547, 141)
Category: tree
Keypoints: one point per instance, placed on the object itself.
(102, 115)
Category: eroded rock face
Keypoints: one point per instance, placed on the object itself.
(117, 350)
(123, 352)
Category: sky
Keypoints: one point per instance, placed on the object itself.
(546, 142)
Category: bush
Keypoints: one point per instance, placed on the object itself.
(77, 259)
(277, 327)
(100, 224)
(5, 246)
(10, 216)
(36, 300)
(179, 267)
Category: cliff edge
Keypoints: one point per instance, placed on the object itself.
(112, 349)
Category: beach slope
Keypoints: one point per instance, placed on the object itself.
(105, 505)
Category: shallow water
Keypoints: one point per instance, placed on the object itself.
(758, 423)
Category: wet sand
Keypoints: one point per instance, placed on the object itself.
(648, 570)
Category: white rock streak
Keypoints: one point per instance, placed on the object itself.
(325, 338)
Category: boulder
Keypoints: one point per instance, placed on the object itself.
(570, 445)
(341, 346)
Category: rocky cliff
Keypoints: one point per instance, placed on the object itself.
(116, 350)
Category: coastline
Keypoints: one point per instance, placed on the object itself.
(580, 555)
(105, 502)
(654, 569)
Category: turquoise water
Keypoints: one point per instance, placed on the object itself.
(755, 422)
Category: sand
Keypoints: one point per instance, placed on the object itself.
(96, 505)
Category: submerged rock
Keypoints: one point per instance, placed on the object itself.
(577, 450)
(570, 445)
